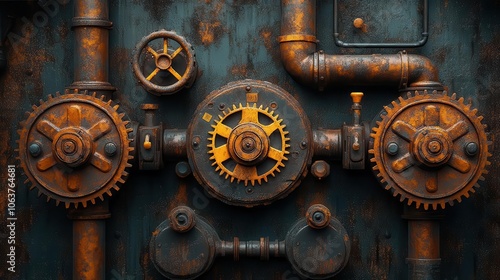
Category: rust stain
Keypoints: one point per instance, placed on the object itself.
(239, 70)
(206, 30)
(380, 260)
(180, 198)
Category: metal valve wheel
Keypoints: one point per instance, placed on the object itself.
(164, 63)
(430, 148)
(250, 143)
(74, 148)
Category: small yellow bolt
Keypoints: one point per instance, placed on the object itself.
(147, 143)
(356, 97)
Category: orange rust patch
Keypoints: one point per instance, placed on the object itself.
(207, 32)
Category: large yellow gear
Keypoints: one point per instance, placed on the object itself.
(247, 144)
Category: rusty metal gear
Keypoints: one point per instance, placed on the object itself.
(248, 144)
(167, 67)
(74, 148)
(430, 149)
(249, 155)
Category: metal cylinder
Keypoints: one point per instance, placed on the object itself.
(423, 249)
(88, 249)
(174, 143)
(328, 143)
(91, 28)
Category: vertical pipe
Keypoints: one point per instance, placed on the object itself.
(88, 249)
(91, 26)
(423, 246)
(89, 241)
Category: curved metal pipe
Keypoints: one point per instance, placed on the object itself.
(319, 70)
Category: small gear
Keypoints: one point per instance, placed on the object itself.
(74, 148)
(430, 149)
(248, 144)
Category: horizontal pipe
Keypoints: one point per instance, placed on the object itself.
(328, 143)
(319, 70)
(174, 144)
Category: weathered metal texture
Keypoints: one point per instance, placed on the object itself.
(91, 27)
(424, 257)
(430, 149)
(236, 40)
(250, 154)
(74, 148)
(165, 74)
(318, 70)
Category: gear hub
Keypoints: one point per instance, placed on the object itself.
(247, 146)
(422, 149)
(64, 148)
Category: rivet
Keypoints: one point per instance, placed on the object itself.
(471, 148)
(182, 169)
(110, 149)
(392, 148)
(35, 149)
(303, 145)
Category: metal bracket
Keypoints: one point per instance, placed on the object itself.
(421, 42)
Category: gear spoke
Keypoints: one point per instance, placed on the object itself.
(250, 115)
(99, 129)
(176, 52)
(153, 52)
(245, 173)
(45, 163)
(174, 73)
(72, 182)
(151, 76)
(404, 130)
(47, 128)
(165, 45)
(100, 162)
(403, 163)
(221, 153)
(223, 130)
(459, 163)
(269, 129)
(458, 130)
(74, 115)
(275, 154)
(431, 116)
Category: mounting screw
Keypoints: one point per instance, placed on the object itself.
(303, 145)
(392, 148)
(471, 149)
(35, 149)
(182, 169)
(358, 23)
(110, 149)
(320, 169)
(222, 106)
(196, 142)
(248, 88)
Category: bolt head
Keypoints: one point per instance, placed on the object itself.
(471, 148)
(392, 148)
(110, 149)
(35, 149)
(318, 217)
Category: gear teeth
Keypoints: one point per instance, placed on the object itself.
(445, 93)
(59, 94)
(58, 202)
(67, 204)
(454, 96)
(84, 204)
(426, 206)
(92, 200)
(101, 197)
(408, 95)
(417, 93)
(443, 205)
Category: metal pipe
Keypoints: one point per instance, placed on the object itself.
(328, 143)
(89, 242)
(174, 143)
(423, 246)
(319, 70)
(91, 26)
(419, 43)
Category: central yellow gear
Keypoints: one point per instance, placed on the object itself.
(242, 150)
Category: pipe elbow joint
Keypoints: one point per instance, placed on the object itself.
(422, 73)
(301, 61)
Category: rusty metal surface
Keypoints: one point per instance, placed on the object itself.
(237, 40)
(157, 68)
(250, 154)
(74, 148)
(430, 149)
